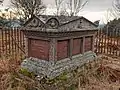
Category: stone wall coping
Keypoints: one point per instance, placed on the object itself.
(58, 31)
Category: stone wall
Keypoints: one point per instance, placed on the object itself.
(52, 70)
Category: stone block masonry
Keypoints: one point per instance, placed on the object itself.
(57, 44)
(46, 68)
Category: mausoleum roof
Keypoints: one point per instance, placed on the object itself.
(59, 23)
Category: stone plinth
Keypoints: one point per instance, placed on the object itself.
(45, 68)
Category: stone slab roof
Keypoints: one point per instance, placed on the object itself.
(62, 19)
(61, 23)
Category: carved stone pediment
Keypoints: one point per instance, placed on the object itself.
(35, 23)
(52, 23)
(57, 22)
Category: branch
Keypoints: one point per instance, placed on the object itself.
(28, 7)
(58, 4)
(80, 7)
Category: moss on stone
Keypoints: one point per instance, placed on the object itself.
(27, 73)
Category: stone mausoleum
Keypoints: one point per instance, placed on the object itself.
(58, 43)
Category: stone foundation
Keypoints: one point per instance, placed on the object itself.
(52, 70)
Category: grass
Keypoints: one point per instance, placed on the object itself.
(98, 75)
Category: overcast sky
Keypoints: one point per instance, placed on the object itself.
(93, 10)
(93, 7)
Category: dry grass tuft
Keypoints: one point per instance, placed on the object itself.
(103, 74)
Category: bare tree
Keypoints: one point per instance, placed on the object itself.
(58, 4)
(75, 6)
(108, 16)
(116, 8)
(1, 1)
(28, 8)
(69, 7)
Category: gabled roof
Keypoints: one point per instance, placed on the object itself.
(63, 20)
(32, 19)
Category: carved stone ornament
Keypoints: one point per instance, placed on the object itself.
(34, 23)
(52, 23)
